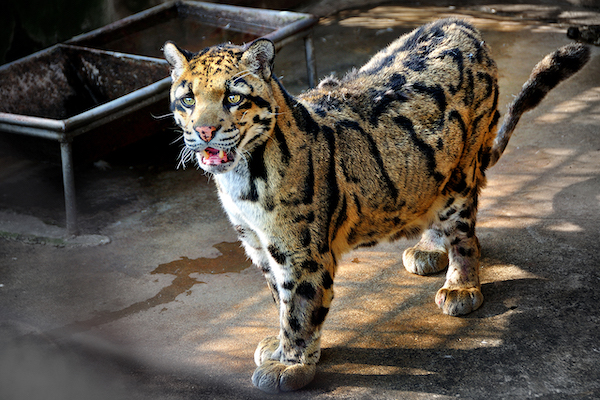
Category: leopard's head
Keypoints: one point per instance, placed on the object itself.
(223, 101)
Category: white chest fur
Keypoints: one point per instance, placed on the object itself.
(233, 189)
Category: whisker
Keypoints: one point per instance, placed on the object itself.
(244, 154)
(182, 157)
(177, 140)
(237, 75)
(241, 74)
(157, 117)
(185, 155)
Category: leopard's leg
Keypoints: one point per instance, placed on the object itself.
(461, 293)
(273, 375)
(428, 256)
(259, 256)
(288, 361)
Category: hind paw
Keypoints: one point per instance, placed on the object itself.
(424, 262)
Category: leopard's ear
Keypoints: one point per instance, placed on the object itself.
(259, 57)
(177, 59)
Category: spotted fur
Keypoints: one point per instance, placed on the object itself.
(396, 148)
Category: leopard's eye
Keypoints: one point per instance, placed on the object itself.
(234, 99)
(188, 101)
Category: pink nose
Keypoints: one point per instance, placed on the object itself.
(206, 132)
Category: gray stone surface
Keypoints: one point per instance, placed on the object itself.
(171, 309)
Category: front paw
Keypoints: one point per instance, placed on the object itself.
(266, 349)
(273, 376)
(459, 301)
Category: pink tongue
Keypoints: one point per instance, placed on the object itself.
(213, 157)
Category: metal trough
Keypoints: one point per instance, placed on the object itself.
(195, 25)
(89, 85)
(65, 91)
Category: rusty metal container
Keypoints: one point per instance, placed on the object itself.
(66, 91)
(195, 25)
(108, 83)
(64, 88)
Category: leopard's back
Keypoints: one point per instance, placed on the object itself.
(424, 75)
(412, 125)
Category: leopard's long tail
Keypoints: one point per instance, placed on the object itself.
(553, 69)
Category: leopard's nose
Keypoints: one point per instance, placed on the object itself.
(206, 132)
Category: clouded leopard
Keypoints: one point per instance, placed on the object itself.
(394, 149)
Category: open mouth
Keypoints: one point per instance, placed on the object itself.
(212, 156)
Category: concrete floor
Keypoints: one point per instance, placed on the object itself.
(171, 309)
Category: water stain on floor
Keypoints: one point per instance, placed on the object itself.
(232, 259)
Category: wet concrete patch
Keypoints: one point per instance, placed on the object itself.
(187, 274)
(232, 259)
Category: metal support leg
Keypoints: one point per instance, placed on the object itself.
(311, 61)
(69, 186)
